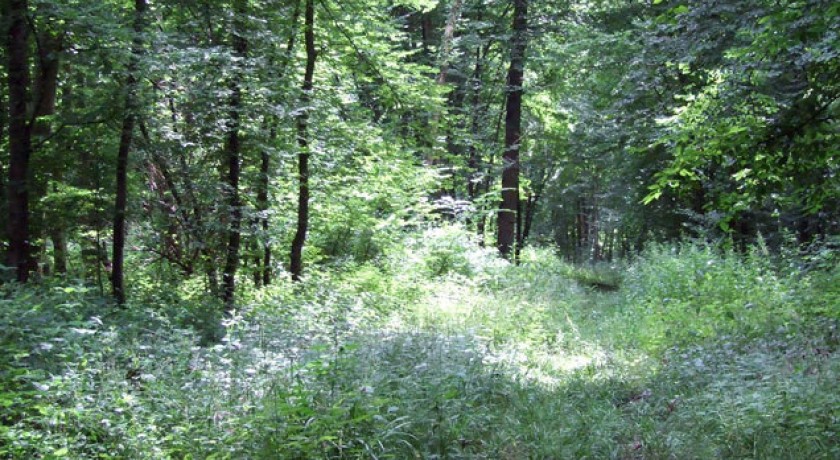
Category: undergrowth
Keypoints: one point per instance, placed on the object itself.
(438, 349)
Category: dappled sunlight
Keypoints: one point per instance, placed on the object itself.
(419, 229)
(541, 368)
(410, 364)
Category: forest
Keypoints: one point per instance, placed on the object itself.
(442, 229)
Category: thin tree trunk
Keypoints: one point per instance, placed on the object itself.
(253, 250)
(3, 124)
(265, 160)
(487, 183)
(448, 37)
(240, 47)
(59, 240)
(474, 159)
(126, 136)
(262, 201)
(530, 202)
(296, 256)
(513, 131)
(453, 101)
(44, 91)
(46, 83)
(518, 230)
(20, 140)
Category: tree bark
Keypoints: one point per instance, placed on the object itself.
(46, 83)
(3, 124)
(447, 39)
(263, 268)
(474, 160)
(20, 141)
(513, 131)
(126, 136)
(264, 272)
(296, 256)
(59, 240)
(530, 204)
(233, 148)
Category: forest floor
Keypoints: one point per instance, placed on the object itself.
(441, 353)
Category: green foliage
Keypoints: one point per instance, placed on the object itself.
(755, 127)
(702, 353)
(407, 338)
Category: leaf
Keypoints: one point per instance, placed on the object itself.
(650, 198)
(742, 174)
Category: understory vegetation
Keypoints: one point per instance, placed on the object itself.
(439, 349)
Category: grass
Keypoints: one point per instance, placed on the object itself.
(440, 350)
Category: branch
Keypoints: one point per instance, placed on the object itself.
(66, 125)
(361, 55)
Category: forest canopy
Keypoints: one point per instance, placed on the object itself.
(207, 134)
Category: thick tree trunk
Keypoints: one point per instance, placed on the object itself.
(20, 141)
(233, 149)
(296, 256)
(513, 131)
(126, 135)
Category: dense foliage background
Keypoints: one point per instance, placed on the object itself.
(419, 228)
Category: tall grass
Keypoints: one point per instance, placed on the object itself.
(440, 350)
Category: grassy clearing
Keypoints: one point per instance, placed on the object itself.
(442, 351)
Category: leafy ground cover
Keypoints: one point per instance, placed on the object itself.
(441, 350)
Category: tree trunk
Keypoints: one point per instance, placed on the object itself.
(447, 39)
(513, 131)
(296, 256)
(59, 240)
(126, 135)
(265, 160)
(453, 101)
(3, 124)
(46, 83)
(474, 160)
(233, 148)
(20, 141)
(531, 200)
(262, 202)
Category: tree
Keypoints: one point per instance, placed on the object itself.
(263, 273)
(508, 214)
(19, 254)
(751, 135)
(296, 256)
(126, 136)
(233, 152)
